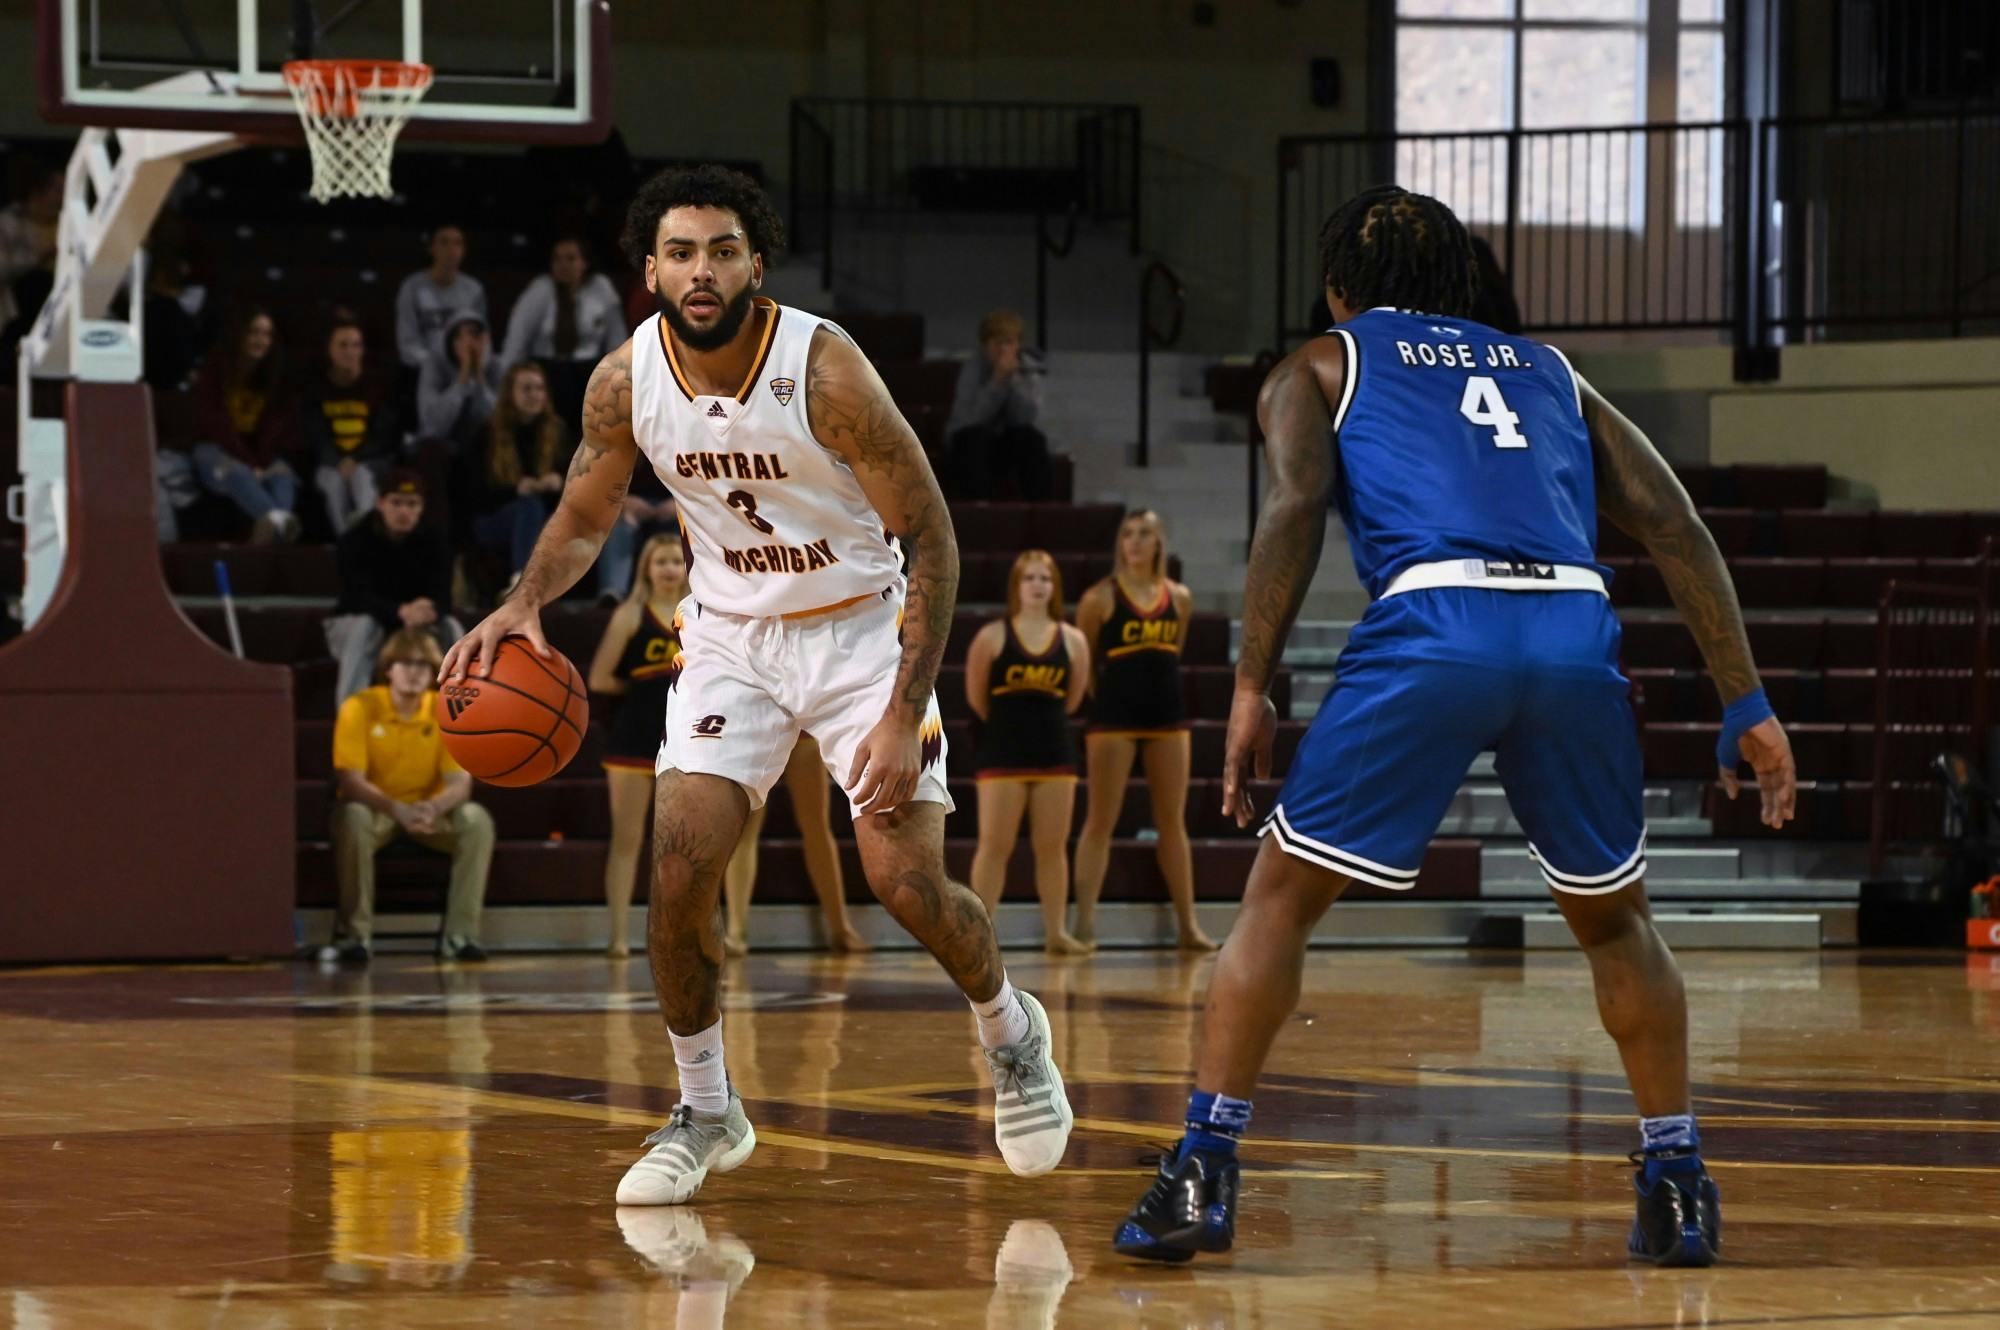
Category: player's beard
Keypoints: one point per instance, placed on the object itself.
(734, 311)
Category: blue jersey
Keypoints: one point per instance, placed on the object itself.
(1456, 441)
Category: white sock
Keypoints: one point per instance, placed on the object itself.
(704, 1082)
(1002, 1019)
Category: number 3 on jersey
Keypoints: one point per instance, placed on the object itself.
(1483, 405)
(744, 502)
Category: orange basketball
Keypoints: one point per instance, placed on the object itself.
(519, 725)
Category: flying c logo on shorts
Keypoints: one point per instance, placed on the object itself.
(710, 727)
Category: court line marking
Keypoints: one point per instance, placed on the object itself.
(524, 1105)
(1816, 1123)
(1157, 1132)
(1739, 1213)
(531, 1104)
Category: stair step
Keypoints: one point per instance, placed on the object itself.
(1506, 870)
(1684, 931)
(1707, 890)
(1481, 809)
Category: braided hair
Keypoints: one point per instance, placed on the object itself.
(1387, 246)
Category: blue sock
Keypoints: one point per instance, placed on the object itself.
(1671, 1144)
(1214, 1122)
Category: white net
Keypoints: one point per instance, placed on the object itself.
(352, 111)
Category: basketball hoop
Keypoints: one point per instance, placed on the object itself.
(352, 111)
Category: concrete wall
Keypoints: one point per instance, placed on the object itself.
(1908, 425)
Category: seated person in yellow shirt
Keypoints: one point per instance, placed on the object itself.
(396, 779)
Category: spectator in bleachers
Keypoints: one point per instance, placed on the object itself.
(349, 423)
(649, 512)
(457, 391)
(245, 428)
(395, 574)
(28, 241)
(175, 337)
(1025, 675)
(436, 296)
(636, 661)
(511, 483)
(396, 779)
(993, 412)
(567, 320)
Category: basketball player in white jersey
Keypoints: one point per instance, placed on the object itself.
(790, 466)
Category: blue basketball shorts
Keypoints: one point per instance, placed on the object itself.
(1432, 678)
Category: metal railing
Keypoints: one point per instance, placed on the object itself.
(1260, 369)
(811, 226)
(1598, 228)
(1779, 231)
(1887, 222)
(865, 156)
(1932, 644)
(1153, 332)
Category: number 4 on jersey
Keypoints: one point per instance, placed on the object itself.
(1483, 405)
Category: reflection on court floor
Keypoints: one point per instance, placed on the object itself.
(1440, 1142)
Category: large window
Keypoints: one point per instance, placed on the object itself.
(1473, 65)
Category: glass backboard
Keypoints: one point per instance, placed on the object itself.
(520, 71)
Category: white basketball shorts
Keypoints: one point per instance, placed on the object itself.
(749, 686)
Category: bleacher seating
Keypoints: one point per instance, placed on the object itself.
(552, 836)
(1809, 578)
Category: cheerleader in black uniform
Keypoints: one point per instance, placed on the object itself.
(1024, 675)
(637, 658)
(1136, 622)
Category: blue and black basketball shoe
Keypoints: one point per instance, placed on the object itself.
(1190, 1208)
(1680, 1212)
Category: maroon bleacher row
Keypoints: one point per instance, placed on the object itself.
(1792, 560)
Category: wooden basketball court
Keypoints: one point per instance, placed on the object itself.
(1440, 1143)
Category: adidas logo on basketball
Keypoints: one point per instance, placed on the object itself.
(458, 697)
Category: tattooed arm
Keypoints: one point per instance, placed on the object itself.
(1640, 495)
(1291, 525)
(1284, 552)
(592, 499)
(852, 414)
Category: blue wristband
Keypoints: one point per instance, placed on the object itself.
(1737, 719)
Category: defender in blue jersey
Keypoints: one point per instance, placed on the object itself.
(1469, 468)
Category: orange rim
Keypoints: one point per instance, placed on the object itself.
(335, 96)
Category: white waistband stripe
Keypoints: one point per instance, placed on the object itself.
(1496, 575)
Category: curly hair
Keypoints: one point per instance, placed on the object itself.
(1387, 246)
(700, 187)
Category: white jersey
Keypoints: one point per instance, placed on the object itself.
(775, 523)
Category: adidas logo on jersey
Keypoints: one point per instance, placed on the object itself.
(715, 411)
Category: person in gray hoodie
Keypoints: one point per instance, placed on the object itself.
(435, 296)
(566, 320)
(455, 394)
